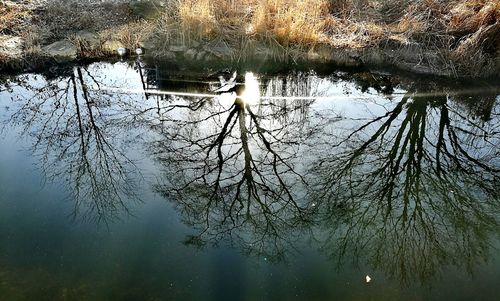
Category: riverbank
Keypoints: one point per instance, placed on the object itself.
(450, 38)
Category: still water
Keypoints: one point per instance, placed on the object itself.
(126, 181)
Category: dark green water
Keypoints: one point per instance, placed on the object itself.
(109, 191)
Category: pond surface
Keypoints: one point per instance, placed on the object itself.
(127, 181)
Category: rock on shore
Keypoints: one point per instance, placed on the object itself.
(61, 51)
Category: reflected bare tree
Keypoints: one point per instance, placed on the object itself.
(234, 169)
(412, 189)
(409, 186)
(73, 129)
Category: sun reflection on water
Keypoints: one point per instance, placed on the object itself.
(251, 94)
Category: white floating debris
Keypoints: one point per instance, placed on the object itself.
(250, 29)
(226, 85)
(368, 279)
(139, 51)
(121, 51)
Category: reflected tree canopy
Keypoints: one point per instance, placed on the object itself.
(74, 126)
(234, 168)
(413, 188)
(406, 183)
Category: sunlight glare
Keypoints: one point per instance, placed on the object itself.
(251, 94)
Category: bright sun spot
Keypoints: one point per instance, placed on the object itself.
(251, 94)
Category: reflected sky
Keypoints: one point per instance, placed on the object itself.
(133, 180)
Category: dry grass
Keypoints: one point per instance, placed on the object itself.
(130, 34)
(424, 21)
(455, 18)
(340, 23)
(475, 24)
(468, 16)
(344, 33)
(197, 18)
(288, 21)
(462, 32)
(475, 53)
(291, 22)
(63, 17)
(34, 37)
(13, 18)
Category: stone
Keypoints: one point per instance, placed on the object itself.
(209, 57)
(168, 55)
(191, 54)
(195, 44)
(110, 46)
(373, 56)
(344, 57)
(313, 55)
(200, 55)
(325, 52)
(11, 46)
(220, 50)
(89, 40)
(61, 51)
(165, 55)
(177, 48)
(146, 9)
(420, 69)
(148, 44)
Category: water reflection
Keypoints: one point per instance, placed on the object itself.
(233, 170)
(413, 188)
(74, 131)
(406, 183)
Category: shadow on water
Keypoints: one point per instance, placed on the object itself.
(393, 173)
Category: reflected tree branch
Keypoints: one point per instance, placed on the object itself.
(74, 141)
(408, 194)
(233, 172)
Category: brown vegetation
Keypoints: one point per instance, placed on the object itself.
(13, 18)
(463, 34)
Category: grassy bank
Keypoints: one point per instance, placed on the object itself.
(461, 37)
